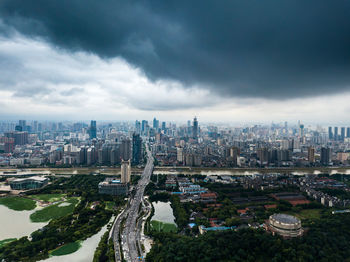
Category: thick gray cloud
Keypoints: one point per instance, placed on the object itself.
(254, 48)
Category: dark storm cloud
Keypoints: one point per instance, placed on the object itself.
(248, 48)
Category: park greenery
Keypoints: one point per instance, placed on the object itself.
(54, 211)
(5, 241)
(105, 250)
(180, 213)
(159, 226)
(48, 197)
(66, 249)
(18, 203)
(64, 229)
(327, 239)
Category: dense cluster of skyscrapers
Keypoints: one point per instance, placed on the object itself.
(35, 143)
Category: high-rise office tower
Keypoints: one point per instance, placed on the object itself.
(126, 149)
(311, 154)
(136, 149)
(335, 135)
(138, 127)
(18, 128)
(330, 133)
(22, 123)
(125, 172)
(301, 130)
(179, 154)
(348, 132)
(93, 129)
(155, 124)
(342, 133)
(234, 153)
(195, 128)
(144, 126)
(163, 126)
(35, 126)
(263, 155)
(189, 128)
(325, 155)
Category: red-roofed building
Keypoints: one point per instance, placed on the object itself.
(242, 211)
(299, 202)
(208, 197)
(270, 206)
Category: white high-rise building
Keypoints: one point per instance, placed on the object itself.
(125, 172)
(179, 155)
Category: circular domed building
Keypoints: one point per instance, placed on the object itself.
(285, 225)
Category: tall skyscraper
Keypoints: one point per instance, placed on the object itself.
(311, 154)
(163, 126)
(138, 127)
(342, 133)
(93, 129)
(35, 126)
(263, 155)
(335, 135)
(195, 128)
(330, 133)
(144, 126)
(189, 128)
(155, 124)
(234, 153)
(348, 132)
(125, 172)
(179, 154)
(301, 130)
(136, 149)
(126, 149)
(22, 123)
(325, 155)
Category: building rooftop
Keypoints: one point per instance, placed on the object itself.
(284, 218)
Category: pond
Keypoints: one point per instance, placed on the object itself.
(16, 224)
(83, 254)
(163, 212)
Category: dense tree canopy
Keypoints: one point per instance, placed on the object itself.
(327, 240)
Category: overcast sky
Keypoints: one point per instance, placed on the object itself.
(237, 61)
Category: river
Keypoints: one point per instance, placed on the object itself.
(237, 172)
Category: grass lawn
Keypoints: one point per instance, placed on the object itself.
(66, 249)
(48, 197)
(54, 211)
(5, 241)
(163, 227)
(18, 203)
(308, 214)
(110, 205)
